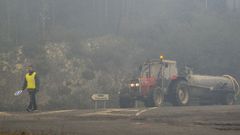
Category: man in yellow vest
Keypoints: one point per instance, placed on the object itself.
(31, 84)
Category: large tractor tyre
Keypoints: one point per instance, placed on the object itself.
(228, 99)
(155, 99)
(180, 93)
(126, 102)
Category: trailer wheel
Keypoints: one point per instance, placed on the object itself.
(180, 93)
(126, 102)
(228, 99)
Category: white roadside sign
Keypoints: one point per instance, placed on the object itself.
(100, 97)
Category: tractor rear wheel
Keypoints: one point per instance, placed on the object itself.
(180, 93)
(228, 99)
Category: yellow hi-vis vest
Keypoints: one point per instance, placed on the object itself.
(31, 82)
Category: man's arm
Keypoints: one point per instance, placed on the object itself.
(37, 82)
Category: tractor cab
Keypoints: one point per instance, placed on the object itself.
(156, 73)
(157, 69)
(151, 84)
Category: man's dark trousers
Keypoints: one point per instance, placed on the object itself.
(32, 95)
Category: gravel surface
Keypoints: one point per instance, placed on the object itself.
(190, 120)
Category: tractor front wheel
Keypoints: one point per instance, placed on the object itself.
(126, 102)
(155, 99)
(158, 98)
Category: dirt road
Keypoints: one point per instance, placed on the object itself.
(192, 120)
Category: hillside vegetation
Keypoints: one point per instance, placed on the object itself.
(94, 46)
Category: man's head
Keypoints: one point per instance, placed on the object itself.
(29, 68)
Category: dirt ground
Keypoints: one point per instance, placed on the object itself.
(191, 120)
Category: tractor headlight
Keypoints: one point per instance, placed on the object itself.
(137, 84)
(132, 85)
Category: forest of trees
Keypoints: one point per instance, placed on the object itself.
(81, 47)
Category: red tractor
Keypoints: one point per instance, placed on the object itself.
(158, 81)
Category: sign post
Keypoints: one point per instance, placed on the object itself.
(100, 98)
